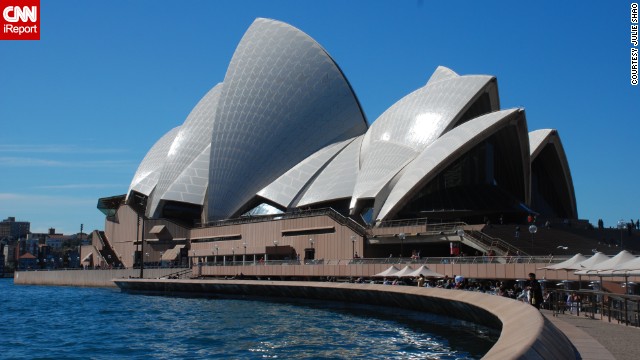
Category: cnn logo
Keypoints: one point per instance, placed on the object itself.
(20, 20)
(24, 14)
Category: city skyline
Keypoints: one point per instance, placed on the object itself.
(86, 106)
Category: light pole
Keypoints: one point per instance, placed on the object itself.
(244, 256)
(160, 259)
(275, 242)
(621, 226)
(233, 255)
(311, 242)
(402, 236)
(143, 203)
(353, 246)
(532, 229)
(215, 260)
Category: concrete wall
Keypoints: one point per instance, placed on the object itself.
(90, 278)
(525, 333)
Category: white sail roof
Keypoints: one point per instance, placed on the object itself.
(283, 99)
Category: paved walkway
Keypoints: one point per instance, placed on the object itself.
(598, 339)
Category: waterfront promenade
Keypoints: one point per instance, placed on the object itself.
(598, 339)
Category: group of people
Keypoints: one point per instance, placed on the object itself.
(531, 292)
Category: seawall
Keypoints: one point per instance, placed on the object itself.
(89, 278)
(525, 333)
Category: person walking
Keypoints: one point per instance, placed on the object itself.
(536, 291)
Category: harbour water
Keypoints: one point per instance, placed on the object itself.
(41, 322)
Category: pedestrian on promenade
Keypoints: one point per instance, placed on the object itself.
(536, 291)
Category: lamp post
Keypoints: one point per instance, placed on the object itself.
(215, 260)
(160, 259)
(143, 203)
(402, 236)
(311, 242)
(621, 226)
(275, 242)
(353, 246)
(135, 251)
(233, 255)
(533, 230)
(244, 256)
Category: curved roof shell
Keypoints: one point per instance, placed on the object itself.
(148, 172)
(413, 123)
(452, 146)
(286, 187)
(553, 192)
(194, 137)
(337, 179)
(283, 99)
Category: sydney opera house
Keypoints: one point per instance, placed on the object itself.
(279, 163)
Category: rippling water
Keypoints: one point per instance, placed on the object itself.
(41, 322)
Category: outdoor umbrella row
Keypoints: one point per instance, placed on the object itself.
(623, 264)
(407, 271)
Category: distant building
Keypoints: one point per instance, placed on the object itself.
(27, 261)
(3, 256)
(12, 229)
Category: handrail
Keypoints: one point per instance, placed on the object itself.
(623, 308)
(180, 274)
(399, 260)
(403, 222)
(495, 242)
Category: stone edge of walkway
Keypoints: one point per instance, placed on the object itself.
(525, 333)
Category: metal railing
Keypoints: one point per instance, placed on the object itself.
(620, 308)
(397, 261)
(494, 243)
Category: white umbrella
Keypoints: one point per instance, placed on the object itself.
(391, 271)
(570, 264)
(630, 266)
(426, 272)
(592, 261)
(405, 272)
(622, 257)
(633, 267)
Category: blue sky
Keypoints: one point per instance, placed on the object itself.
(80, 108)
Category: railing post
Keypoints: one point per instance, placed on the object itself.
(626, 315)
